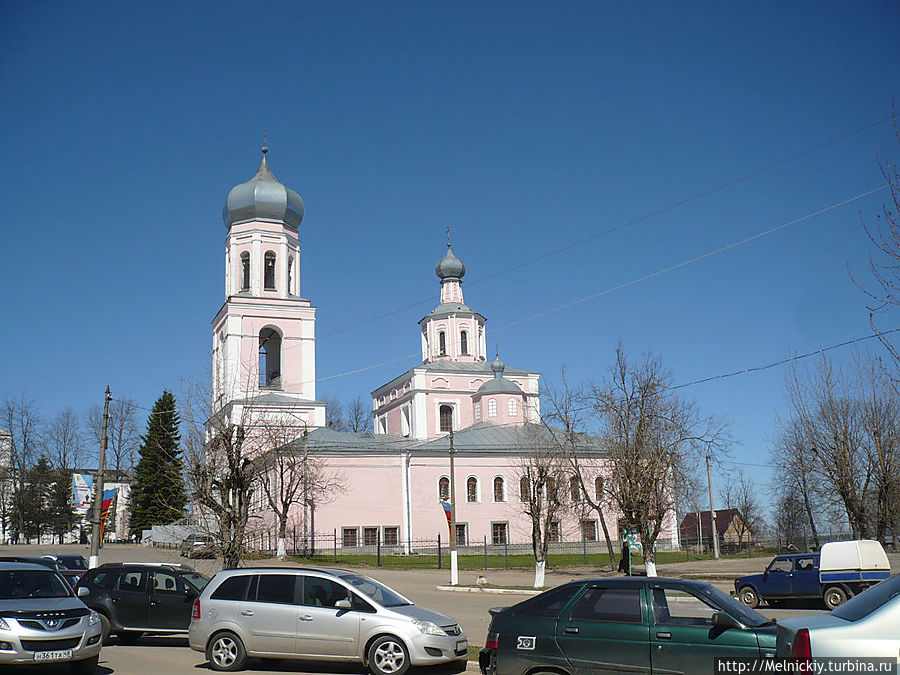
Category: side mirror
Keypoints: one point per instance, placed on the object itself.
(343, 604)
(83, 591)
(723, 620)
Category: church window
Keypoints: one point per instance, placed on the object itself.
(463, 342)
(270, 271)
(598, 488)
(492, 407)
(552, 493)
(575, 489)
(290, 271)
(471, 489)
(446, 417)
(499, 489)
(512, 408)
(245, 271)
(269, 358)
(444, 488)
(442, 343)
(478, 410)
(524, 489)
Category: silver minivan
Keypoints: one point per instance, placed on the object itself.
(318, 614)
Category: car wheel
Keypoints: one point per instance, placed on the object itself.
(105, 629)
(834, 597)
(388, 656)
(85, 666)
(749, 597)
(226, 652)
(129, 637)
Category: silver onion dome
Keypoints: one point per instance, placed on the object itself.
(450, 267)
(263, 197)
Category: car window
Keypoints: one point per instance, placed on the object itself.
(133, 580)
(318, 592)
(550, 603)
(198, 581)
(360, 605)
(804, 564)
(20, 584)
(671, 606)
(869, 600)
(166, 583)
(736, 609)
(781, 565)
(609, 604)
(378, 592)
(277, 588)
(105, 579)
(233, 588)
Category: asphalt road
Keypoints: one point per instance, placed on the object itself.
(172, 656)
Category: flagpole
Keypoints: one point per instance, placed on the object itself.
(454, 567)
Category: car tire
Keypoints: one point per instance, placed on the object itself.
(834, 597)
(225, 652)
(388, 656)
(105, 629)
(749, 597)
(129, 637)
(86, 666)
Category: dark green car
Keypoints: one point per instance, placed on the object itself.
(633, 624)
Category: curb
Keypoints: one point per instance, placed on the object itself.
(496, 591)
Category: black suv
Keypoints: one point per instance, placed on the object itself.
(137, 598)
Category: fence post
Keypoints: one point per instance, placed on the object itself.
(485, 551)
(294, 541)
(439, 550)
(688, 547)
(378, 548)
(334, 532)
(584, 548)
(506, 552)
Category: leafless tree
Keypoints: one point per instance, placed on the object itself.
(334, 411)
(25, 426)
(654, 440)
(739, 493)
(122, 433)
(792, 457)
(359, 415)
(564, 406)
(64, 440)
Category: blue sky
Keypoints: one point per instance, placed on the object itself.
(524, 126)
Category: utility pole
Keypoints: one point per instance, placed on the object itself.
(712, 510)
(454, 563)
(98, 487)
(306, 492)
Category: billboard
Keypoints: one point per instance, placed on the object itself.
(81, 490)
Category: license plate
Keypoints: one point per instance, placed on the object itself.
(462, 644)
(63, 655)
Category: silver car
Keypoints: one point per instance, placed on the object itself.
(41, 620)
(318, 614)
(866, 625)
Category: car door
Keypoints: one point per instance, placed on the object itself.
(323, 630)
(170, 604)
(778, 576)
(129, 599)
(682, 637)
(269, 614)
(606, 630)
(805, 577)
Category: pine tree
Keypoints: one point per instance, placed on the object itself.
(61, 514)
(158, 496)
(35, 499)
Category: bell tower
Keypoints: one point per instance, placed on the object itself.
(264, 350)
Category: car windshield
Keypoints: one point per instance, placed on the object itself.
(19, 584)
(869, 600)
(740, 612)
(198, 581)
(378, 592)
(73, 562)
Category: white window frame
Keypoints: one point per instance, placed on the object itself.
(492, 407)
(441, 477)
(477, 489)
(512, 407)
(478, 410)
(504, 495)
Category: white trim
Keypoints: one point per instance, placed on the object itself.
(505, 491)
(477, 489)
(440, 478)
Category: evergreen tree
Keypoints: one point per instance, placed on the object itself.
(35, 499)
(158, 496)
(61, 518)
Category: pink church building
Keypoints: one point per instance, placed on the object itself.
(393, 476)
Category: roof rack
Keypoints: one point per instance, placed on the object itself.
(172, 566)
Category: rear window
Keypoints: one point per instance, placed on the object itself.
(550, 603)
(198, 581)
(233, 588)
(869, 600)
(277, 588)
(609, 604)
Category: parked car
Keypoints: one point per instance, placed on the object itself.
(841, 570)
(137, 598)
(41, 620)
(198, 546)
(865, 625)
(318, 614)
(633, 624)
(70, 575)
(69, 561)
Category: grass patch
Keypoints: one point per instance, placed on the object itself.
(473, 653)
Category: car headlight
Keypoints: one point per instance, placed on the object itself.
(93, 618)
(428, 627)
(4, 625)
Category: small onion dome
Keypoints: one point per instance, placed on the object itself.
(499, 384)
(450, 267)
(263, 197)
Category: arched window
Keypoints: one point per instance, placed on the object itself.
(444, 488)
(290, 283)
(245, 271)
(446, 415)
(492, 407)
(512, 407)
(499, 489)
(598, 488)
(269, 358)
(524, 489)
(471, 489)
(270, 271)
(551, 489)
(464, 343)
(442, 343)
(575, 489)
